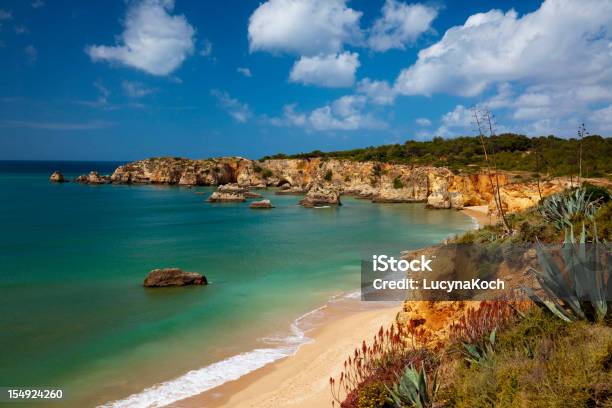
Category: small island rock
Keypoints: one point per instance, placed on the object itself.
(219, 197)
(321, 196)
(264, 204)
(57, 177)
(173, 277)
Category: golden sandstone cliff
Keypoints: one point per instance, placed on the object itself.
(438, 187)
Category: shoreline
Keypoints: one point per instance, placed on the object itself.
(480, 215)
(301, 380)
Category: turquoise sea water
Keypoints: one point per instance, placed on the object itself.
(73, 313)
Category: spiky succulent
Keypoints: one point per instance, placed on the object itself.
(563, 208)
(582, 288)
(412, 389)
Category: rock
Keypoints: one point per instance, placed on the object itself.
(93, 178)
(439, 200)
(260, 186)
(219, 197)
(250, 194)
(57, 177)
(173, 277)
(232, 188)
(263, 204)
(320, 195)
(291, 191)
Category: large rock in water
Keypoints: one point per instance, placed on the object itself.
(219, 197)
(173, 277)
(319, 196)
(93, 178)
(57, 177)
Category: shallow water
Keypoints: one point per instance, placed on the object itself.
(75, 316)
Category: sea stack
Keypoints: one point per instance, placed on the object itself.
(319, 196)
(219, 197)
(173, 277)
(57, 177)
(263, 204)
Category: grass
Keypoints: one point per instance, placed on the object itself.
(539, 362)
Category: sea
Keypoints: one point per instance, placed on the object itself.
(74, 314)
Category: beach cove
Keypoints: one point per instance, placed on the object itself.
(102, 337)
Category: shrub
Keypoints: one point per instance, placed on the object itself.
(383, 360)
(538, 362)
(328, 175)
(257, 169)
(267, 173)
(397, 183)
(374, 395)
(599, 194)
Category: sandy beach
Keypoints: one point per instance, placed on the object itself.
(480, 214)
(302, 381)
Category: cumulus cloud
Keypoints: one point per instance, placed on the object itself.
(400, 24)
(244, 71)
(563, 40)
(153, 40)
(241, 112)
(379, 92)
(303, 27)
(331, 71)
(343, 114)
(456, 122)
(135, 89)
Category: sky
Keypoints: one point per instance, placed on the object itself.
(125, 80)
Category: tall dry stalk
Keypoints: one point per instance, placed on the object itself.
(483, 119)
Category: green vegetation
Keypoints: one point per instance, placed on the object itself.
(374, 395)
(413, 389)
(267, 173)
(328, 175)
(538, 362)
(543, 155)
(547, 352)
(397, 183)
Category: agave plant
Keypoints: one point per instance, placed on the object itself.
(413, 390)
(561, 209)
(581, 290)
(480, 354)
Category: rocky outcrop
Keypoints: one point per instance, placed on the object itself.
(57, 177)
(173, 277)
(438, 187)
(93, 178)
(319, 196)
(219, 197)
(263, 204)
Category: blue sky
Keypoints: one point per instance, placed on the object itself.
(123, 80)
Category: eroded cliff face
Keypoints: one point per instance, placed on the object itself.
(438, 187)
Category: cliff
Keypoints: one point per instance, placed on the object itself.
(438, 187)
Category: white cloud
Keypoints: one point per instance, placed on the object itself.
(38, 4)
(103, 92)
(331, 71)
(207, 48)
(563, 41)
(135, 89)
(400, 24)
(244, 71)
(303, 27)
(236, 109)
(5, 15)
(423, 122)
(345, 113)
(601, 119)
(31, 53)
(153, 40)
(457, 122)
(379, 92)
